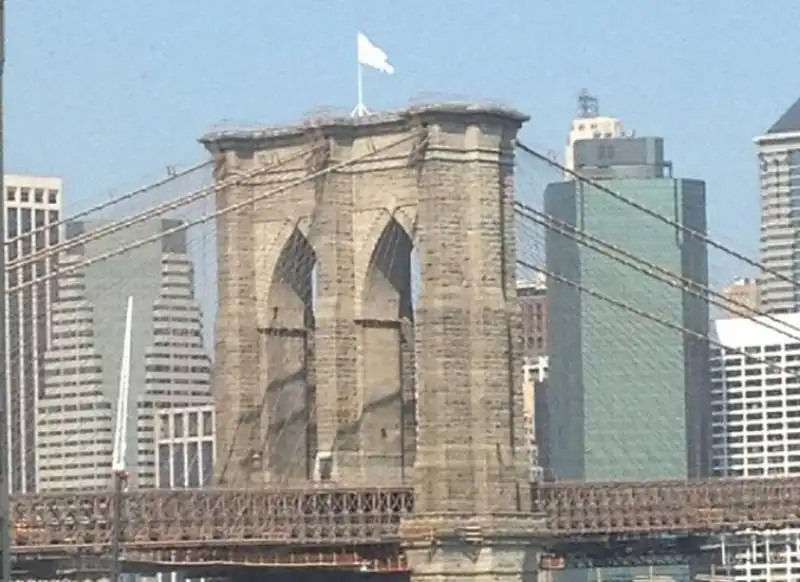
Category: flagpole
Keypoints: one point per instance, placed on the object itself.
(360, 108)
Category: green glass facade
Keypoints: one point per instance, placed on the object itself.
(627, 398)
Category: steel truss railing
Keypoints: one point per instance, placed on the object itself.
(574, 510)
(183, 519)
(209, 521)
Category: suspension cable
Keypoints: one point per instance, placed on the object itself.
(211, 216)
(114, 201)
(149, 213)
(666, 220)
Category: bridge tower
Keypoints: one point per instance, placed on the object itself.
(472, 503)
(327, 391)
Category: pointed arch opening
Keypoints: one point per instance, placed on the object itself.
(386, 355)
(288, 433)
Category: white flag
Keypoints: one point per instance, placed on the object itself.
(371, 56)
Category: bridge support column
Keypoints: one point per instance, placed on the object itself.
(472, 512)
(264, 318)
(336, 338)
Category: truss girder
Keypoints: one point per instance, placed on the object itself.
(181, 520)
(574, 510)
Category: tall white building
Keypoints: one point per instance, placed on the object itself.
(32, 205)
(534, 378)
(779, 160)
(170, 365)
(185, 455)
(589, 125)
(756, 431)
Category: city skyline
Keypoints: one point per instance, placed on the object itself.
(328, 365)
(641, 163)
(170, 367)
(686, 99)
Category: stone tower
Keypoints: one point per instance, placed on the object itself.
(328, 391)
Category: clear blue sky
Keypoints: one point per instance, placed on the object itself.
(106, 93)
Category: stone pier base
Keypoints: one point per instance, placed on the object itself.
(495, 561)
(478, 550)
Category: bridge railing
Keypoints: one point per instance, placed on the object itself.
(153, 518)
(704, 506)
(218, 517)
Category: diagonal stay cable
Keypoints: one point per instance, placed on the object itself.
(651, 269)
(149, 213)
(114, 201)
(660, 217)
(647, 315)
(222, 212)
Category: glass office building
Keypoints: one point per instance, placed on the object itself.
(628, 398)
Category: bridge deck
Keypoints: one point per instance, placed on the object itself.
(668, 507)
(214, 519)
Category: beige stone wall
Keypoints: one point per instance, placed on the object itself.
(292, 386)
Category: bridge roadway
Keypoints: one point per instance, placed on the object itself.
(338, 526)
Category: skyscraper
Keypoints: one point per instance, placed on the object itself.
(627, 398)
(185, 440)
(32, 204)
(779, 159)
(170, 366)
(532, 297)
(756, 430)
(185, 458)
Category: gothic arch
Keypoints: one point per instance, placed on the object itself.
(287, 435)
(387, 282)
(291, 288)
(386, 354)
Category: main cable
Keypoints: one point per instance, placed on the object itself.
(646, 315)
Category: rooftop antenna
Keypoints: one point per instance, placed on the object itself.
(118, 470)
(588, 105)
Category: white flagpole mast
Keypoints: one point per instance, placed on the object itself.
(360, 109)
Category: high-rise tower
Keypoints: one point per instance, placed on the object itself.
(779, 160)
(608, 369)
(170, 367)
(32, 203)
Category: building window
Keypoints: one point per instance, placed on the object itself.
(163, 431)
(11, 194)
(38, 196)
(208, 423)
(193, 459)
(24, 194)
(178, 420)
(193, 428)
(52, 196)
